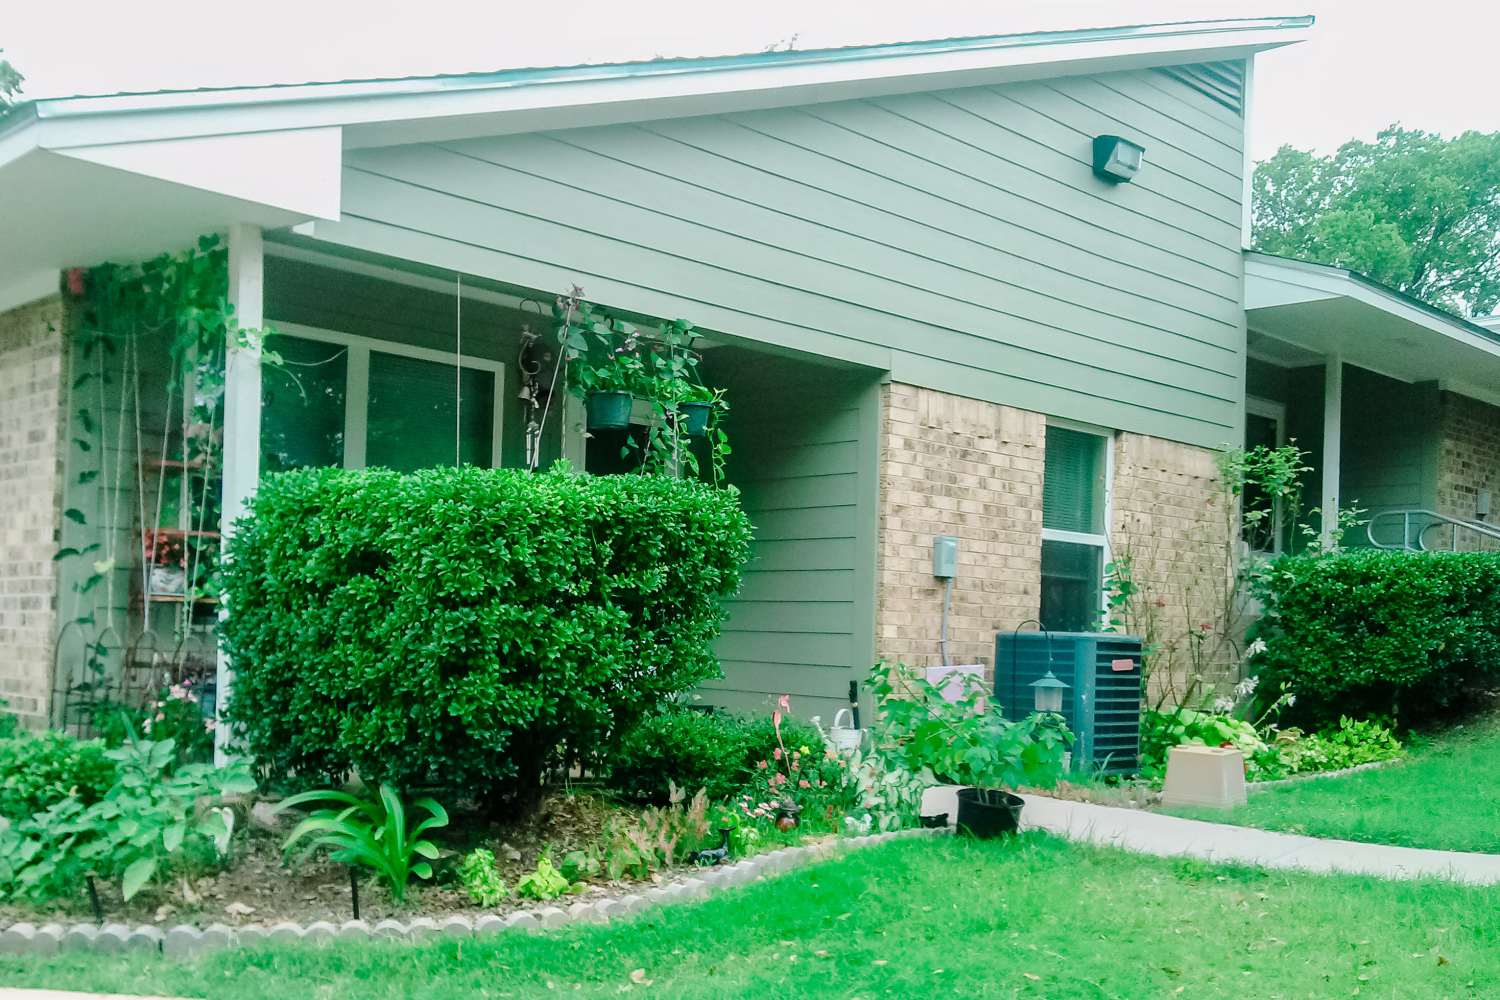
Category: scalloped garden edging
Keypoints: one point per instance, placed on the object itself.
(184, 940)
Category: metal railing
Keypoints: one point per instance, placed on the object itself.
(1422, 522)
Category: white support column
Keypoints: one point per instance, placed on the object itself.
(1333, 432)
(241, 415)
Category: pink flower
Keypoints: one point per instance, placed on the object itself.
(784, 703)
(776, 753)
(802, 783)
(209, 724)
(762, 765)
(778, 779)
(829, 754)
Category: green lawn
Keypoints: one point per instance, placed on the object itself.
(1033, 917)
(1445, 795)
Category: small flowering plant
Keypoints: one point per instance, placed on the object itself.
(175, 713)
(815, 779)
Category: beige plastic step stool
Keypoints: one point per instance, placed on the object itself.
(1204, 776)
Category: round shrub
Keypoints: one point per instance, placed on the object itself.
(454, 627)
(37, 771)
(715, 751)
(1368, 632)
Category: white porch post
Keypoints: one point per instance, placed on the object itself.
(1333, 430)
(241, 417)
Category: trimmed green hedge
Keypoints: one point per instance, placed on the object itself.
(715, 751)
(453, 627)
(1372, 632)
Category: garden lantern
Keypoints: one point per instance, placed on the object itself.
(1047, 693)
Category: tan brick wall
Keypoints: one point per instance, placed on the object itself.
(1468, 461)
(1170, 523)
(31, 364)
(953, 466)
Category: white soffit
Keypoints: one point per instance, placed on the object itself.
(296, 171)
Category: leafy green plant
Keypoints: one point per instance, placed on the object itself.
(372, 833)
(965, 740)
(37, 771)
(1163, 730)
(716, 751)
(481, 879)
(459, 626)
(543, 882)
(157, 816)
(1366, 632)
(1349, 744)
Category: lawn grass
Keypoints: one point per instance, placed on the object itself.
(1032, 917)
(1445, 795)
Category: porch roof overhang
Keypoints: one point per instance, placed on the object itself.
(123, 176)
(1299, 313)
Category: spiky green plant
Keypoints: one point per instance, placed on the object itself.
(370, 832)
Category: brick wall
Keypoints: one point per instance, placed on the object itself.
(31, 364)
(1468, 461)
(1170, 523)
(953, 466)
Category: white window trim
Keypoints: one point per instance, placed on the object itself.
(1101, 539)
(357, 382)
(1271, 410)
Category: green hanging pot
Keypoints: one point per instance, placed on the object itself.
(695, 417)
(609, 411)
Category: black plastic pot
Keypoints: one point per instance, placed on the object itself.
(988, 812)
(609, 410)
(695, 418)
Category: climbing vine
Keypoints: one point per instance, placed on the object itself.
(146, 378)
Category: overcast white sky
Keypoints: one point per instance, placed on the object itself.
(1370, 62)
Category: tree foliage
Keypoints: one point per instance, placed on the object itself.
(1412, 210)
(10, 83)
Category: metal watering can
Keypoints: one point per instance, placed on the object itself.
(843, 736)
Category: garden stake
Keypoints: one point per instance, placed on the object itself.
(94, 901)
(354, 892)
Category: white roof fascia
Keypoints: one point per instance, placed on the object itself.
(394, 111)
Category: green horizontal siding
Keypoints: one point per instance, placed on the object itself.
(805, 462)
(957, 239)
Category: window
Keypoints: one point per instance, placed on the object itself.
(1264, 428)
(1074, 514)
(357, 402)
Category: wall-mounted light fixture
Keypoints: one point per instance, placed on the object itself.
(1116, 159)
(1482, 505)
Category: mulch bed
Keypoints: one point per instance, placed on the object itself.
(260, 888)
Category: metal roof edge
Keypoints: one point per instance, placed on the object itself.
(76, 106)
(1381, 289)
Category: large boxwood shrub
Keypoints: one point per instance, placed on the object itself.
(453, 627)
(1373, 632)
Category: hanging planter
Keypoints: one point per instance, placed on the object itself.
(609, 410)
(695, 417)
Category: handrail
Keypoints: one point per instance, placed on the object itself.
(1432, 520)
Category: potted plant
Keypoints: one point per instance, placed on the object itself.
(963, 740)
(695, 406)
(166, 555)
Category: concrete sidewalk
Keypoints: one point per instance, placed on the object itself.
(1170, 836)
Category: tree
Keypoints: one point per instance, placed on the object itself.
(10, 83)
(1412, 210)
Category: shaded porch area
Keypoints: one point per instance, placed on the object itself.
(1397, 405)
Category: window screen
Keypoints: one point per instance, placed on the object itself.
(414, 413)
(1073, 482)
(1072, 576)
(302, 405)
